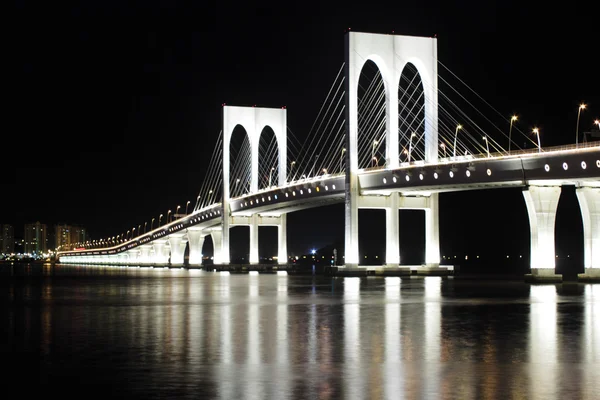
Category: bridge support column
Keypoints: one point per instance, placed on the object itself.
(589, 203)
(392, 233)
(282, 257)
(144, 257)
(219, 257)
(161, 256)
(542, 202)
(177, 243)
(432, 231)
(134, 256)
(196, 241)
(254, 239)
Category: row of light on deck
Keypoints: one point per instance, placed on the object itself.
(435, 176)
(489, 172)
(566, 166)
(287, 194)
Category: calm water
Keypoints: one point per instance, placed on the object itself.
(170, 333)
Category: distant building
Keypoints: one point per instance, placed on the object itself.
(69, 236)
(7, 239)
(36, 238)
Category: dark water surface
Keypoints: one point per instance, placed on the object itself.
(80, 332)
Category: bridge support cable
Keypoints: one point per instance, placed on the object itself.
(466, 142)
(505, 118)
(471, 140)
(268, 172)
(317, 150)
(294, 149)
(210, 184)
(241, 171)
(371, 117)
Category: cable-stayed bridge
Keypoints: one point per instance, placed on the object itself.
(391, 134)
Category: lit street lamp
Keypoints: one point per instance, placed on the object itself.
(375, 163)
(443, 146)
(537, 132)
(270, 174)
(512, 119)
(597, 122)
(186, 207)
(159, 217)
(487, 146)
(581, 107)
(146, 223)
(373, 149)
(410, 145)
(324, 171)
(291, 168)
(458, 127)
(177, 211)
(168, 214)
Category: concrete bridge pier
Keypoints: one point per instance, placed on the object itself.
(161, 254)
(196, 241)
(134, 256)
(282, 257)
(254, 239)
(221, 252)
(177, 242)
(589, 203)
(392, 232)
(542, 202)
(144, 257)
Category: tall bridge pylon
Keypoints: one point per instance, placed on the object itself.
(254, 120)
(390, 53)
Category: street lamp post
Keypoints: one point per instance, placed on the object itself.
(443, 146)
(177, 211)
(487, 146)
(314, 170)
(512, 119)
(581, 107)
(209, 196)
(410, 145)
(159, 217)
(291, 168)
(324, 171)
(145, 224)
(537, 132)
(186, 207)
(375, 163)
(373, 149)
(168, 214)
(270, 174)
(458, 127)
(342, 159)
(597, 122)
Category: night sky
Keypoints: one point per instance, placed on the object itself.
(113, 107)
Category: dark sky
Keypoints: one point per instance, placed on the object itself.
(113, 107)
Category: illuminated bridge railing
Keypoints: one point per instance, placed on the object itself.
(206, 215)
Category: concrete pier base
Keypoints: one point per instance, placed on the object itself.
(590, 275)
(543, 275)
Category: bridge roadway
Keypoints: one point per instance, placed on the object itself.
(552, 167)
